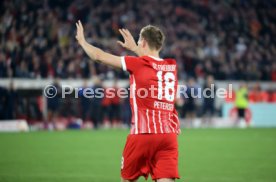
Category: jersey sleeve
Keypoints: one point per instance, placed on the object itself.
(131, 63)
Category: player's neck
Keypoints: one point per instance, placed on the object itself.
(152, 53)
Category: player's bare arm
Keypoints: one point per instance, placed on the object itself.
(96, 53)
(129, 42)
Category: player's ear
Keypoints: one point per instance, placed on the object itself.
(144, 43)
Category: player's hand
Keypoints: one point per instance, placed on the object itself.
(80, 34)
(129, 42)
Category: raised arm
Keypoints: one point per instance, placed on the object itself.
(96, 53)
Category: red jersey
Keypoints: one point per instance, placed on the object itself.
(153, 86)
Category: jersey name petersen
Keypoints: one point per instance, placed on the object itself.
(154, 113)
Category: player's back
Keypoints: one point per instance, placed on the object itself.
(153, 88)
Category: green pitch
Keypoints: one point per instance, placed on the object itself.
(206, 155)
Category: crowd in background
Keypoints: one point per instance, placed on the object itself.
(231, 40)
(115, 111)
(210, 39)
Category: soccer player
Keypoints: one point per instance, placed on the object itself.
(151, 147)
(241, 103)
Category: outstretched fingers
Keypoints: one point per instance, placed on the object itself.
(123, 34)
(127, 33)
(80, 25)
(79, 33)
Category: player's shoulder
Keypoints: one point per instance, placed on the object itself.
(132, 57)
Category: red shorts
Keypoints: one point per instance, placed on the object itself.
(155, 154)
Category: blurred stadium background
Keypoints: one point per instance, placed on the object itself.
(214, 42)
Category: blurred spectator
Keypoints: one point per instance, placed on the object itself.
(8, 100)
(2, 103)
(11, 101)
(115, 117)
(85, 103)
(189, 108)
(209, 101)
(96, 103)
(53, 106)
(106, 115)
(257, 95)
(126, 110)
(273, 72)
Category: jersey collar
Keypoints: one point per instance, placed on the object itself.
(155, 58)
